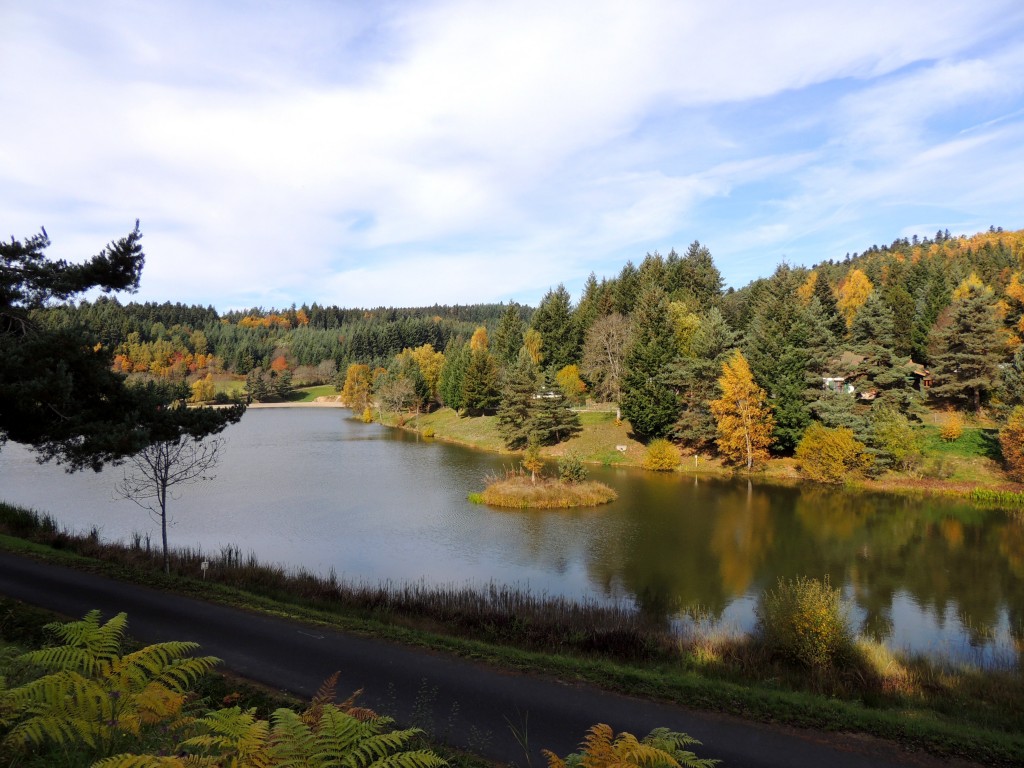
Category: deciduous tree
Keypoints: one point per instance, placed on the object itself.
(1011, 439)
(744, 420)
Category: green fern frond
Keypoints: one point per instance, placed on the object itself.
(370, 750)
(420, 758)
(148, 761)
(232, 732)
(675, 743)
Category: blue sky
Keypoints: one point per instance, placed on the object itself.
(407, 153)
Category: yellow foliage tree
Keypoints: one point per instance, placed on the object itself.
(684, 325)
(830, 455)
(534, 345)
(851, 293)
(479, 342)
(1011, 440)
(356, 391)
(429, 363)
(203, 389)
(806, 291)
(970, 286)
(745, 422)
(569, 381)
(952, 426)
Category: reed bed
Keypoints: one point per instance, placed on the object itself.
(520, 492)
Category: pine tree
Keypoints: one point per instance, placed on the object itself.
(695, 379)
(518, 399)
(453, 372)
(480, 392)
(552, 420)
(560, 335)
(744, 421)
(647, 399)
(967, 345)
(508, 337)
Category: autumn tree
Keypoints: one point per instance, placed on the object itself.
(572, 386)
(743, 418)
(428, 364)
(851, 293)
(830, 455)
(356, 391)
(967, 346)
(203, 390)
(604, 351)
(1011, 440)
(534, 344)
(479, 342)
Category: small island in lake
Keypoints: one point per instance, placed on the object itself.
(520, 492)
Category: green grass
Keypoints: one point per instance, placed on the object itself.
(975, 713)
(310, 394)
(973, 443)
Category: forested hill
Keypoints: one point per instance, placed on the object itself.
(894, 330)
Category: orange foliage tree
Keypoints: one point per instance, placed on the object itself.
(356, 391)
(1011, 440)
(744, 420)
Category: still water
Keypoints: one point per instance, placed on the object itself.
(318, 489)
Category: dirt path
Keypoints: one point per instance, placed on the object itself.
(478, 707)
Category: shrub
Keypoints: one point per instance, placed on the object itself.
(952, 426)
(805, 620)
(894, 439)
(367, 415)
(828, 455)
(428, 432)
(662, 456)
(1011, 440)
(571, 469)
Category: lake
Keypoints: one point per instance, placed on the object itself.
(318, 489)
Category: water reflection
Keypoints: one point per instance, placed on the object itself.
(318, 489)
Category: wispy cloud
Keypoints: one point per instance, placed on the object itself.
(407, 153)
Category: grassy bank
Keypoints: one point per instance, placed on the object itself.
(948, 710)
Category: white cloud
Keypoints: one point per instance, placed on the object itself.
(335, 151)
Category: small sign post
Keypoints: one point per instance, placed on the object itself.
(205, 565)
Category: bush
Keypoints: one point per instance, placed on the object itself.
(895, 440)
(367, 415)
(952, 426)
(828, 455)
(805, 620)
(662, 456)
(571, 469)
(1011, 440)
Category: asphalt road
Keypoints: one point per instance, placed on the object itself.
(472, 705)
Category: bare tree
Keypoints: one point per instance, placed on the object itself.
(153, 472)
(604, 351)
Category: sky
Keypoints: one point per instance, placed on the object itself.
(410, 153)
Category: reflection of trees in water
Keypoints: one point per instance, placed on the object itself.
(677, 544)
(742, 536)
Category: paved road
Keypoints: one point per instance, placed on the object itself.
(471, 704)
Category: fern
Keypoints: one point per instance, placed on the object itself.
(96, 697)
(661, 748)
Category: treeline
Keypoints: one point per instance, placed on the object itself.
(857, 347)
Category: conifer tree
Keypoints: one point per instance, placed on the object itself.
(508, 337)
(967, 345)
(456, 361)
(480, 392)
(743, 419)
(553, 320)
(518, 399)
(647, 399)
(695, 379)
(552, 420)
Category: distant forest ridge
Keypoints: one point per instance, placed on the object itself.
(917, 277)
